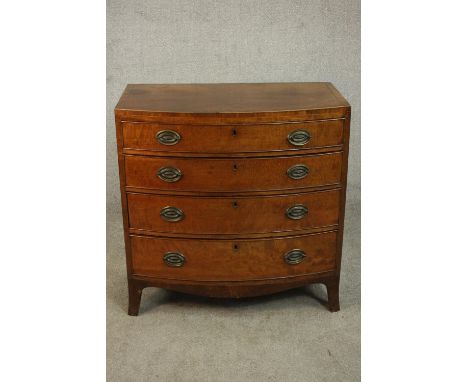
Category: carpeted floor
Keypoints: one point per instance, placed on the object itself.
(289, 336)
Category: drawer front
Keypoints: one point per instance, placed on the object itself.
(232, 175)
(232, 138)
(232, 260)
(217, 215)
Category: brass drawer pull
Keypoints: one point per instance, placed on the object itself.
(299, 137)
(295, 256)
(169, 174)
(296, 212)
(168, 137)
(172, 214)
(298, 171)
(174, 259)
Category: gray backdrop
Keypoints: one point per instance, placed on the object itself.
(173, 41)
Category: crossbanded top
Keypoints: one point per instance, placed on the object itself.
(231, 98)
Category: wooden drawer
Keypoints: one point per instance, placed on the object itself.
(233, 175)
(233, 260)
(232, 138)
(242, 215)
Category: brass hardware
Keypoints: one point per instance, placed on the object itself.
(169, 174)
(299, 137)
(295, 256)
(174, 259)
(296, 212)
(172, 214)
(168, 137)
(298, 171)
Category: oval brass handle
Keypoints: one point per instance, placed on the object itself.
(296, 212)
(299, 137)
(172, 214)
(295, 256)
(169, 174)
(168, 137)
(298, 171)
(174, 259)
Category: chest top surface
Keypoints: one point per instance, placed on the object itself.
(231, 98)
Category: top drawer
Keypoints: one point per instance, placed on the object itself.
(232, 138)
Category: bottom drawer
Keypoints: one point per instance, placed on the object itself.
(233, 260)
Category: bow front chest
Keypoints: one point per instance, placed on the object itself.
(232, 190)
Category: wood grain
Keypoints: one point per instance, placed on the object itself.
(219, 215)
(230, 98)
(233, 260)
(227, 139)
(234, 175)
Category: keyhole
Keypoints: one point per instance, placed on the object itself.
(234, 132)
(235, 247)
(234, 204)
(234, 167)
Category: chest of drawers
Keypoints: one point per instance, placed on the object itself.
(232, 190)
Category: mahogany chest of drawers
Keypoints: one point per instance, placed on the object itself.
(232, 190)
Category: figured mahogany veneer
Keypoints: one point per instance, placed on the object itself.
(229, 139)
(235, 175)
(233, 260)
(232, 190)
(241, 215)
